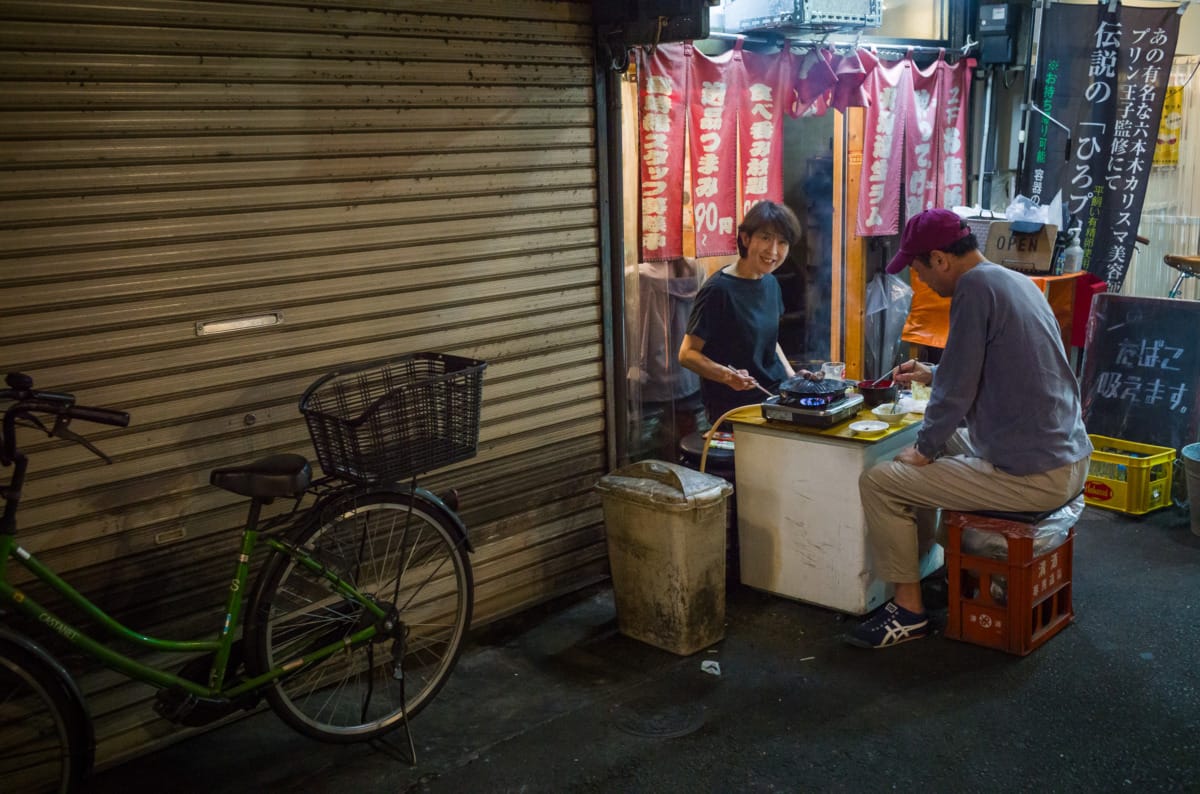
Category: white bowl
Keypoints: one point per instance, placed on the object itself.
(892, 413)
(867, 426)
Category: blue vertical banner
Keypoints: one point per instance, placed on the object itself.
(1106, 82)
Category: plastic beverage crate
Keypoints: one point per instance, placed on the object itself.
(1034, 602)
(1129, 477)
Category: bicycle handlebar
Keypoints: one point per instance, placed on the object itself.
(26, 402)
(101, 416)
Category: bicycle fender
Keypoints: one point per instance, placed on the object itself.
(69, 686)
(427, 499)
(435, 504)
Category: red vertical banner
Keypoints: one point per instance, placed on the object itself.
(920, 137)
(812, 83)
(715, 85)
(766, 97)
(889, 89)
(662, 98)
(851, 70)
(954, 89)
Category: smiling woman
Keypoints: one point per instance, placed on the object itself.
(732, 339)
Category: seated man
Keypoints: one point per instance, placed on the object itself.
(1002, 429)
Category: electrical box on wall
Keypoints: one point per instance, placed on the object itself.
(748, 15)
(636, 22)
(999, 31)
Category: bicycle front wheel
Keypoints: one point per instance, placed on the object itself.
(44, 743)
(410, 561)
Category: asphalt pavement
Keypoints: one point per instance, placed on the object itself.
(557, 700)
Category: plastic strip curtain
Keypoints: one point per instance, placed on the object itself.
(1171, 214)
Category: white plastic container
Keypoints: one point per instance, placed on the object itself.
(1073, 256)
(1190, 455)
(666, 547)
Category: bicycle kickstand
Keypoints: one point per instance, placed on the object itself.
(398, 674)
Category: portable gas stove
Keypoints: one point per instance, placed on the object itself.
(814, 403)
(779, 409)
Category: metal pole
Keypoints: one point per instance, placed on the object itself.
(985, 161)
(780, 40)
(1030, 82)
(612, 269)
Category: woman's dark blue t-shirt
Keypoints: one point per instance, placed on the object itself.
(738, 319)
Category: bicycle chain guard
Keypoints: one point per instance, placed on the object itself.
(183, 708)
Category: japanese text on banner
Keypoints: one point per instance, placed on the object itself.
(1107, 88)
(760, 124)
(712, 137)
(662, 91)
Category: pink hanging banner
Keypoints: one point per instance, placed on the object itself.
(765, 99)
(921, 133)
(889, 91)
(954, 89)
(813, 81)
(662, 100)
(716, 84)
(852, 70)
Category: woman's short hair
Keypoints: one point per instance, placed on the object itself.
(772, 215)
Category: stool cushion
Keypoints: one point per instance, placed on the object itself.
(1019, 517)
(692, 446)
(1027, 517)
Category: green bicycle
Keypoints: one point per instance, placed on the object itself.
(356, 618)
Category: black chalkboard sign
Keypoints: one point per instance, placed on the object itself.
(1141, 370)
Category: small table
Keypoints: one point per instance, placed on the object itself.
(801, 530)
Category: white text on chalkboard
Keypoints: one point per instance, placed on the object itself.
(1151, 389)
(1154, 355)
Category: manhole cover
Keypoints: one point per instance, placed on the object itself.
(659, 721)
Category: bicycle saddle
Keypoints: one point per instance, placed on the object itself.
(277, 475)
(1184, 264)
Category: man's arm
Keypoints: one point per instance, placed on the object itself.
(956, 381)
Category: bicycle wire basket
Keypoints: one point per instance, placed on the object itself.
(392, 419)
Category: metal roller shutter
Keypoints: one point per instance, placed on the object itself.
(389, 177)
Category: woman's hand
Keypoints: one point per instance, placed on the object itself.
(913, 370)
(739, 379)
(692, 357)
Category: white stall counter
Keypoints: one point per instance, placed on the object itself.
(801, 531)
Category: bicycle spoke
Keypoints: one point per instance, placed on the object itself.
(410, 565)
(41, 728)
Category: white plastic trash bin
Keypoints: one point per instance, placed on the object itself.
(666, 547)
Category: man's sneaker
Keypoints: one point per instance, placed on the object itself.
(890, 625)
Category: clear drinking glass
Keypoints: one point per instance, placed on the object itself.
(834, 369)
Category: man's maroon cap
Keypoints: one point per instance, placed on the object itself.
(931, 230)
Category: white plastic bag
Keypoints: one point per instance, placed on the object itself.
(1049, 533)
(1026, 215)
(888, 302)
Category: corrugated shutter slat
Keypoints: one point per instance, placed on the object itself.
(391, 177)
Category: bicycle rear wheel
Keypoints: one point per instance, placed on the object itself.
(44, 744)
(413, 565)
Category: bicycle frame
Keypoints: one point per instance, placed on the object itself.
(221, 647)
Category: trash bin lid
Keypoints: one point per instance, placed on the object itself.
(665, 485)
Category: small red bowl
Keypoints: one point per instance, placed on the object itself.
(883, 392)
